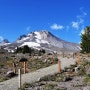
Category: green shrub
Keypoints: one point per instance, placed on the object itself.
(82, 71)
(25, 85)
(56, 60)
(61, 89)
(87, 78)
(48, 78)
(50, 86)
(59, 78)
(3, 79)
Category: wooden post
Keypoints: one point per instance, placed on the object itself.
(14, 67)
(73, 55)
(59, 66)
(15, 70)
(19, 77)
(24, 67)
(52, 61)
(78, 58)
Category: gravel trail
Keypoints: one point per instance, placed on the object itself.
(12, 84)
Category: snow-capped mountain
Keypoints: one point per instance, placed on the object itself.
(43, 40)
(5, 42)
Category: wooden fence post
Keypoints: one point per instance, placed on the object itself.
(19, 77)
(14, 67)
(24, 67)
(59, 66)
(73, 55)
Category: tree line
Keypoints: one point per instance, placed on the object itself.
(31, 51)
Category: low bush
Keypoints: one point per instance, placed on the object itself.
(87, 78)
(50, 86)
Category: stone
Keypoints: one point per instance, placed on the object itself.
(10, 74)
(65, 79)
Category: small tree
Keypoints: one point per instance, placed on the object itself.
(41, 52)
(85, 40)
(18, 50)
(26, 49)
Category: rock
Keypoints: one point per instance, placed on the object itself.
(73, 70)
(65, 79)
(77, 69)
(38, 79)
(10, 74)
(45, 60)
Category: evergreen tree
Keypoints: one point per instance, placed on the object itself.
(26, 49)
(85, 40)
(43, 51)
(19, 50)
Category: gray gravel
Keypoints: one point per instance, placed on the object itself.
(12, 84)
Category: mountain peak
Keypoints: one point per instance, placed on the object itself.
(5, 41)
(44, 40)
(22, 36)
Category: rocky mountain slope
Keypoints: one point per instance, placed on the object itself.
(5, 42)
(41, 40)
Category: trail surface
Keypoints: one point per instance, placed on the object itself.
(12, 84)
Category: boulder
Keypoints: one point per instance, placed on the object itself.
(65, 79)
(10, 74)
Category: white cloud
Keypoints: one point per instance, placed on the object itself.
(83, 12)
(75, 25)
(80, 19)
(56, 26)
(1, 38)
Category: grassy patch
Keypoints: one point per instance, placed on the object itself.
(87, 78)
(26, 85)
(61, 89)
(3, 78)
(50, 86)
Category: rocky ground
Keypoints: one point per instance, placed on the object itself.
(72, 77)
(33, 63)
(75, 77)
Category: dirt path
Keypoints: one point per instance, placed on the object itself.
(12, 84)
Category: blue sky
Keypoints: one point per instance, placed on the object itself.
(65, 19)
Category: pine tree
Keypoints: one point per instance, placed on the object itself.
(26, 49)
(85, 40)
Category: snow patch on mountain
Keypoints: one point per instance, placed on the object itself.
(38, 35)
(43, 40)
(5, 42)
(31, 44)
(22, 40)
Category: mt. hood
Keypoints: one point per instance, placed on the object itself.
(43, 40)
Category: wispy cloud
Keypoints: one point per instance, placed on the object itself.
(80, 19)
(56, 26)
(1, 38)
(75, 25)
(28, 28)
